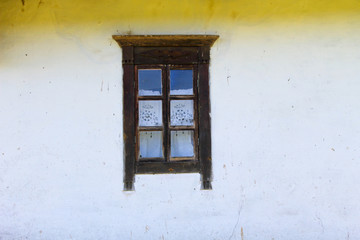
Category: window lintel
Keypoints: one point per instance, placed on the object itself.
(165, 40)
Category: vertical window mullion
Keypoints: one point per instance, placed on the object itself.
(168, 111)
(165, 113)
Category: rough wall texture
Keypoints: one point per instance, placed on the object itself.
(285, 122)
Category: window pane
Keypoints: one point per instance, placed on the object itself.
(149, 82)
(151, 144)
(181, 82)
(182, 112)
(182, 143)
(150, 113)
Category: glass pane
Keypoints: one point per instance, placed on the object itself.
(181, 82)
(149, 82)
(151, 144)
(150, 113)
(182, 112)
(182, 143)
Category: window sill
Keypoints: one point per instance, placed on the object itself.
(167, 167)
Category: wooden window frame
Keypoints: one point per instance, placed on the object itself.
(166, 52)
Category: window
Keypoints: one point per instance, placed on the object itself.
(166, 105)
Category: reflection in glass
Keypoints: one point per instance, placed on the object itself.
(150, 113)
(181, 82)
(149, 82)
(182, 143)
(182, 112)
(151, 144)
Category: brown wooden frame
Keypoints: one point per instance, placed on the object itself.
(167, 52)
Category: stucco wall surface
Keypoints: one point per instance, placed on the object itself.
(284, 82)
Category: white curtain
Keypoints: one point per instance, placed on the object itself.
(182, 143)
(151, 144)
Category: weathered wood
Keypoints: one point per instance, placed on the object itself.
(178, 159)
(154, 128)
(166, 112)
(136, 113)
(128, 121)
(150, 97)
(179, 128)
(167, 167)
(128, 55)
(156, 159)
(182, 97)
(165, 40)
(196, 112)
(204, 54)
(204, 120)
(165, 55)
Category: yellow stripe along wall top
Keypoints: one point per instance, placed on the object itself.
(43, 12)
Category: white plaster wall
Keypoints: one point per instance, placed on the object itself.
(285, 138)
